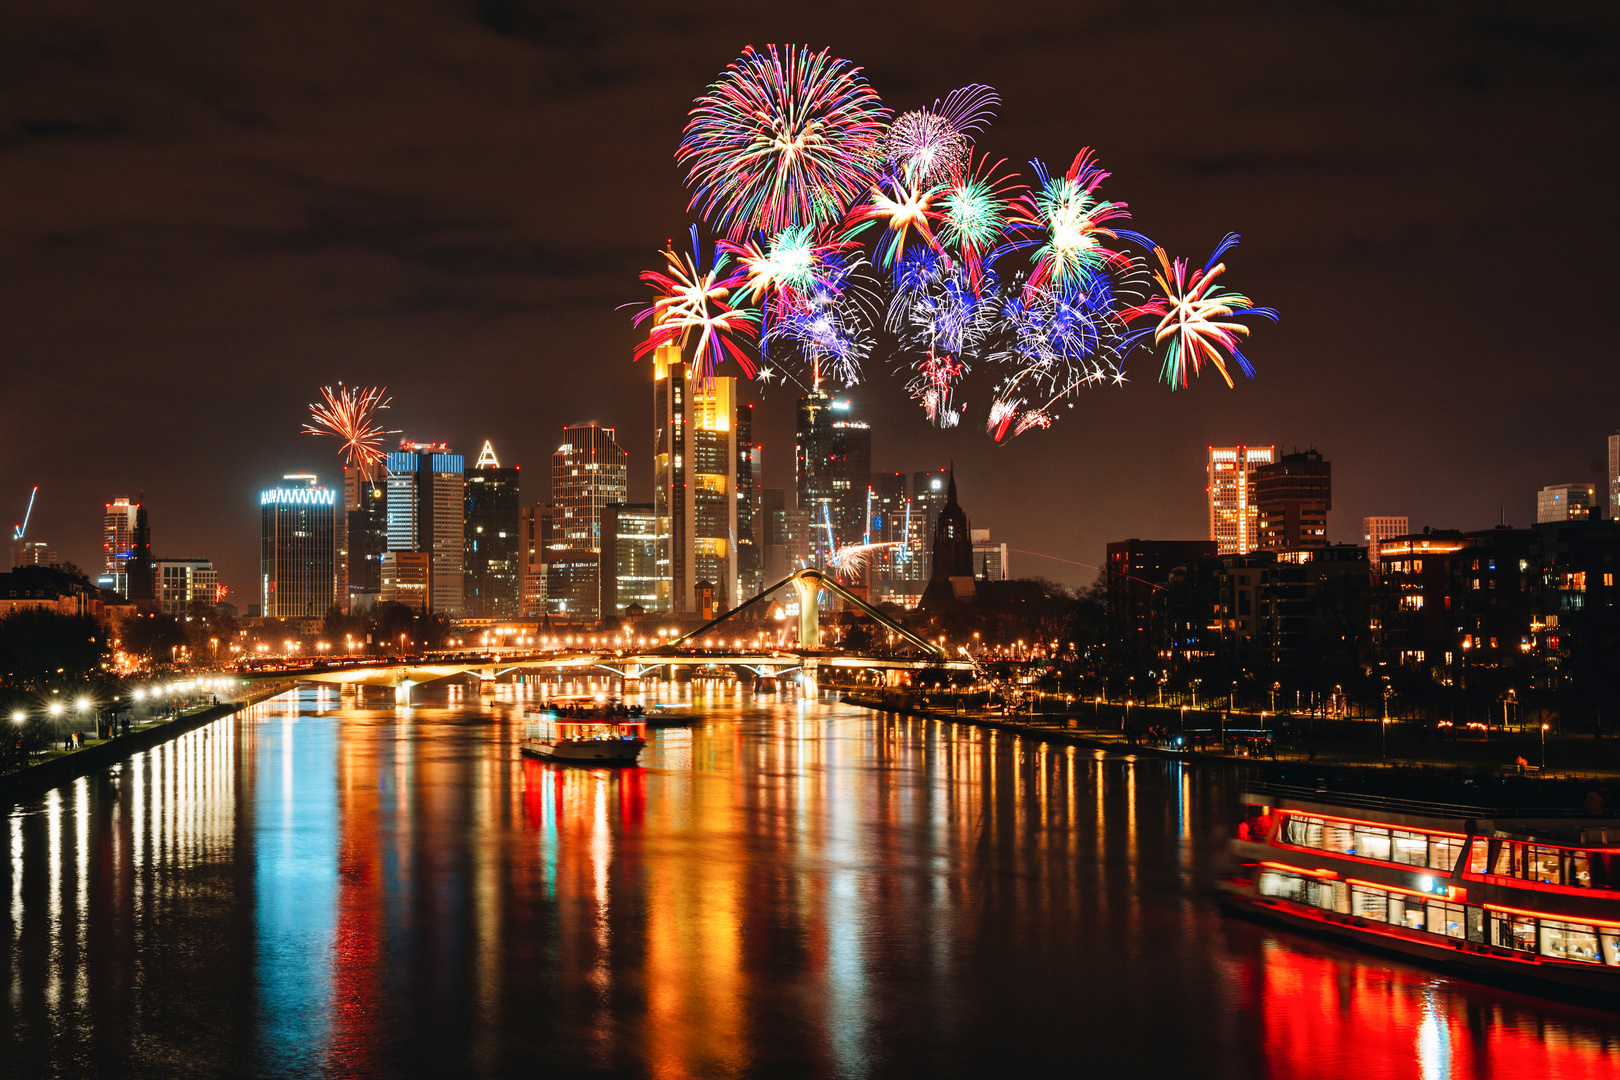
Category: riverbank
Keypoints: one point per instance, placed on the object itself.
(1471, 772)
(61, 767)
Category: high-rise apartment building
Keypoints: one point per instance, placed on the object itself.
(1292, 497)
(631, 547)
(183, 582)
(366, 540)
(928, 491)
(407, 578)
(425, 513)
(833, 468)
(492, 503)
(34, 553)
(1565, 502)
(695, 482)
(297, 547)
(1375, 530)
(117, 541)
(1233, 517)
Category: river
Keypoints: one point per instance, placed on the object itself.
(332, 886)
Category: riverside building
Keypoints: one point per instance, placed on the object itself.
(297, 548)
(1233, 517)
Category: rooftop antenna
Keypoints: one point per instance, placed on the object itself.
(18, 530)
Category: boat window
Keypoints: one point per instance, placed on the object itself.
(1410, 848)
(1371, 842)
(1544, 865)
(1443, 852)
(1445, 918)
(1305, 832)
(1337, 837)
(1569, 941)
(1406, 911)
(1369, 903)
(1513, 931)
(1506, 863)
(1282, 886)
(1477, 853)
(1580, 870)
(1611, 946)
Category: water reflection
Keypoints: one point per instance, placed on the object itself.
(331, 884)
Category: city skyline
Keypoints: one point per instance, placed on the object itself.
(393, 275)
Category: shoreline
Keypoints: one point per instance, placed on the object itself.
(36, 779)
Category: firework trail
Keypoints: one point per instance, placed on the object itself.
(690, 299)
(831, 326)
(782, 138)
(974, 215)
(1190, 310)
(349, 413)
(850, 562)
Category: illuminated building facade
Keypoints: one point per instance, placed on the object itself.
(589, 471)
(832, 468)
(34, 553)
(989, 559)
(1375, 530)
(750, 530)
(928, 490)
(183, 582)
(1614, 478)
(297, 547)
(1292, 497)
(697, 448)
(366, 539)
(425, 513)
(534, 543)
(632, 548)
(407, 578)
(1233, 516)
(492, 503)
(1565, 502)
(117, 541)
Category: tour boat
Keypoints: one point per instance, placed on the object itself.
(584, 739)
(1516, 894)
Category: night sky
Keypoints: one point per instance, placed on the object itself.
(209, 210)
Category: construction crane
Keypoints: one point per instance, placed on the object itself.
(18, 530)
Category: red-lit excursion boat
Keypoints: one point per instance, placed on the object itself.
(1484, 892)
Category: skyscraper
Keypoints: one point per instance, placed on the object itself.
(1292, 497)
(1565, 502)
(951, 576)
(534, 544)
(183, 582)
(695, 482)
(588, 472)
(494, 568)
(833, 467)
(750, 539)
(928, 490)
(425, 513)
(117, 539)
(631, 546)
(1233, 518)
(297, 546)
(142, 584)
(367, 541)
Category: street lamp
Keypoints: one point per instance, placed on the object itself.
(1543, 748)
(18, 716)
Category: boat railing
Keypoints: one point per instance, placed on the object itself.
(1419, 807)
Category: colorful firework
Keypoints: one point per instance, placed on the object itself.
(937, 307)
(350, 414)
(901, 206)
(933, 385)
(850, 562)
(974, 214)
(782, 138)
(1191, 309)
(1066, 219)
(932, 146)
(690, 299)
(832, 325)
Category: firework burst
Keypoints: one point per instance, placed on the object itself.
(974, 214)
(1064, 221)
(932, 146)
(784, 137)
(694, 300)
(1194, 317)
(350, 413)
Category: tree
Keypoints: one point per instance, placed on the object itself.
(41, 649)
(154, 638)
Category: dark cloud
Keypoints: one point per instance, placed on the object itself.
(207, 211)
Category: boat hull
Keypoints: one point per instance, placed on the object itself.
(1590, 983)
(586, 751)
